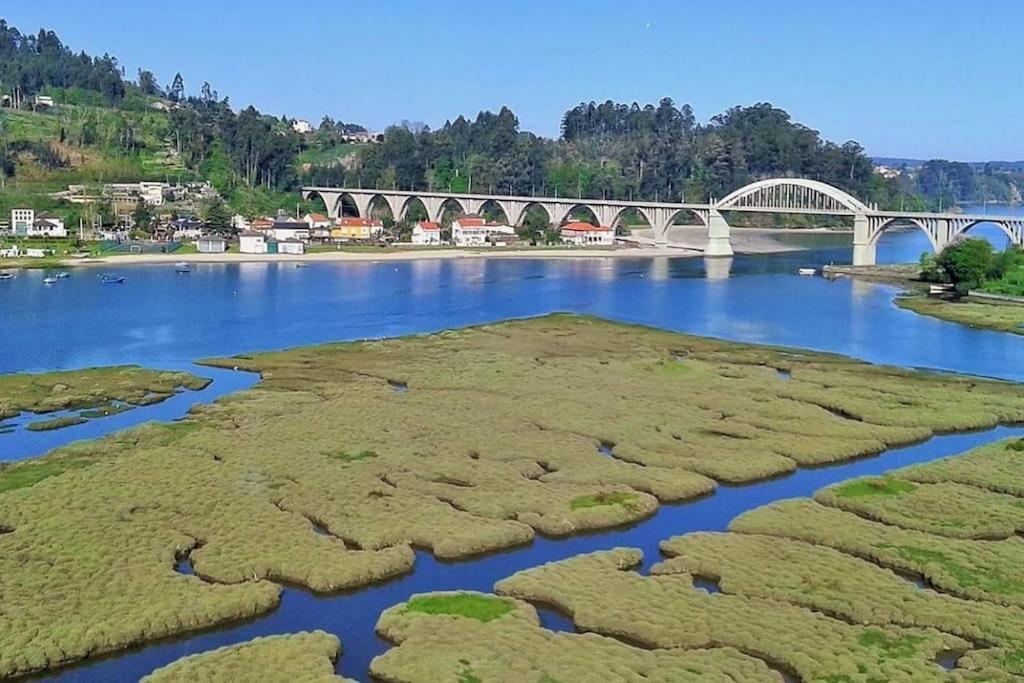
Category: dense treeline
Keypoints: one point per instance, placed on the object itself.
(948, 183)
(30, 63)
(613, 150)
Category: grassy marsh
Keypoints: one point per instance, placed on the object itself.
(495, 440)
(1001, 317)
(307, 657)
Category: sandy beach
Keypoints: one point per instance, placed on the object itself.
(684, 241)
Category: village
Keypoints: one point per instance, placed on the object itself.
(36, 234)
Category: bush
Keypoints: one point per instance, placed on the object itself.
(968, 263)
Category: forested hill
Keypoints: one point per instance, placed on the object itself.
(107, 127)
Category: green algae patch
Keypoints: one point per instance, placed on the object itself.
(623, 498)
(492, 447)
(356, 456)
(298, 657)
(515, 648)
(56, 423)
(469, 605)
(873, 487)
(90, 388)
(20, 475)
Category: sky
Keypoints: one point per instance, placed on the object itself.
(905, 78)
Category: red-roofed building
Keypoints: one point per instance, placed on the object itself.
(427, 233)
(473, 231)
(585, 234)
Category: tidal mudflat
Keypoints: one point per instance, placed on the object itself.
(347, 456)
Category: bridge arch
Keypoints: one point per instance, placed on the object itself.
(793, 194)
(411, 202)
(521, 216)
(1015, 239)
(378, 201)
(566, 214)
(893, 222)
(492, 204)
(450, 203)
(643, 213)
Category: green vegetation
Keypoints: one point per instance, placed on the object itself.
(598, 499)
(56, 423)
(469, 605)
(307, 657)
(994, 316)
(873, 487)
(513, 648)
(604, 595)
(972, 264)
(90, 388)
(104, 519)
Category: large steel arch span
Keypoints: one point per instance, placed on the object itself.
(794, 195)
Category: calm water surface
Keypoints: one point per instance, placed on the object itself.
(164, 320)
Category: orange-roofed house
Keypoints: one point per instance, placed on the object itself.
(427, 233)
(357, 229)
(585, 234)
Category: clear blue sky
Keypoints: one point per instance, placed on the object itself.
(914, 78)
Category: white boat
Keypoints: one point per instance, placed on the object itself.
(49, 280)
(182, 267)
(63, 275)
(806, 271)
(6, 276)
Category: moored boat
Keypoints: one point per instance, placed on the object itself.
(49, 280)
(6, 276)
(110, 278)
(63, 275)
(806, 271)
(182, 267)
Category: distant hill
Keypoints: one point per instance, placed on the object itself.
(897, 162)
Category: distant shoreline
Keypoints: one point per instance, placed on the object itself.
(687, 242)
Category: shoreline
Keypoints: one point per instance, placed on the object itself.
(686, 242)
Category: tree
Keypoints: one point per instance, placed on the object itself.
(142, 217)
(967, 263)
(218, 218)
(147, 83)
(177, 92)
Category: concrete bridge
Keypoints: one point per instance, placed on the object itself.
(775, 195)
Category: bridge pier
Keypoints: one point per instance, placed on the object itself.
(719, 243)
(863, 246)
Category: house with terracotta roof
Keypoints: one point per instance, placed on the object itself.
(585, 234)
(351, 228)
(473, 231)
(427, 233)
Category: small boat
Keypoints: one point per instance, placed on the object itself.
(63, 275)
(807, 271)
(110, 278)
(49, 280)
(182, 267)
(6, 276)
(302, 265)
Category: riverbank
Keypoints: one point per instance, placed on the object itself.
(389, 459)
(684, 241)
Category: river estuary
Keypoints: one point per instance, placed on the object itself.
(165, 320)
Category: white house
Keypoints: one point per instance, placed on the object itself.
(426, 233)
(290, 230)
(302, 126)
(585, 234)
(47, 226)
(44, 102)
(294, 247)
(473, 231)
(211, 244)
(252, 242)
(21, 221)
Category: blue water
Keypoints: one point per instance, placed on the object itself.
(160, 319)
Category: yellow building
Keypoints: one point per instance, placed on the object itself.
(357, 229)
